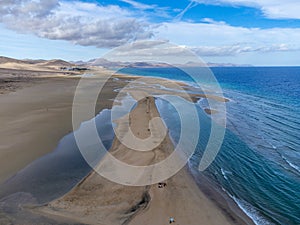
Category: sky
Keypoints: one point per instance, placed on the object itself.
(257, 32)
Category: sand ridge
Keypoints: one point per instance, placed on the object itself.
(99, 201)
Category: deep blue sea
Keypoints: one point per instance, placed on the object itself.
(259, 162)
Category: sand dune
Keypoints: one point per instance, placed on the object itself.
(34, 65)
(9, 60)
(55, 63)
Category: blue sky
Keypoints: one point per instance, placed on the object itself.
(258, 32)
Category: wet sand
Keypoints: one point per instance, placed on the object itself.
(36, 114)
(35, 117)
(97, 200)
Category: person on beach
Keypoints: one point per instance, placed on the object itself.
(171, 220)
(161, 185)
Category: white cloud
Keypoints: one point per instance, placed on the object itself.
(275, 9)
(81, 23)
(152, 51)
(139, 5)
(149, 11)
(234, 50)
(89, 24)
(189, 6)
(29, 8)
(220, 39)
(211, 21)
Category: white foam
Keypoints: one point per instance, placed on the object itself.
(250, 211)
(224, 174)
(291, 164)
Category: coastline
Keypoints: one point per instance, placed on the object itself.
(58, 109)
(95, 200)
(221, 199)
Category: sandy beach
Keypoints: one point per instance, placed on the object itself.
(99, 201)
(142, 112)
(37, 114)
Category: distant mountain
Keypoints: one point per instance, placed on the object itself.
(9, 60)
(209, 64)
(33, 61)
(228, 65)
(56, 63)
(29, 64)
(53, 62)
(105, 63)
(116, 64)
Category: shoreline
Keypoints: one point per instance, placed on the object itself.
(39, 87)
(221, 199)
(181, 197)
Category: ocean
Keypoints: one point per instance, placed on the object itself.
(258, 165)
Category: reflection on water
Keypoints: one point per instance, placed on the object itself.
(57, 172)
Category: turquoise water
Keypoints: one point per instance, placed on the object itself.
(258, 164)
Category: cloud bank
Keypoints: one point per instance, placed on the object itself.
(237, 49)
(214, 38)
(90, 24)
(275, 9)
(86, 24)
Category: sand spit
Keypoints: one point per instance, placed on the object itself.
(35, 117)
(99, 201)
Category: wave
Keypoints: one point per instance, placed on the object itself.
(277, 105)
(250, 211)
(265, 126)
(225, 173)
(291, 164)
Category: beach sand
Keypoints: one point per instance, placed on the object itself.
(37, 114)
(33, 121)
(97, 200)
